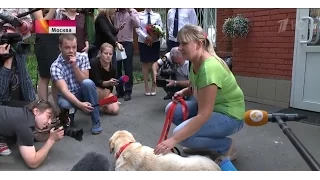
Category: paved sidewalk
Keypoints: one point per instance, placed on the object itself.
(260, 148)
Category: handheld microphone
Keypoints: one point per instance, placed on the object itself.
(123, 79)
(260, 118)
(92, 161)
(106, 101)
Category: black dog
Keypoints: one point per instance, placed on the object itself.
(92, 161)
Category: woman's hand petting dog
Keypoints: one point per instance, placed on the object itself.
(165, 146)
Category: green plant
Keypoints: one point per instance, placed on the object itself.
(32, 67)
(236, 27)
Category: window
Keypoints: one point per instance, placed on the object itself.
(207, 20)
(163, 14)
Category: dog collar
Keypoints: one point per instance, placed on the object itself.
(122, 149)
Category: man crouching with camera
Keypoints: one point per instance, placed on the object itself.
(17, 124)
(171, 72)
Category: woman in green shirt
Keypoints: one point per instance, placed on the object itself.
(216, 103)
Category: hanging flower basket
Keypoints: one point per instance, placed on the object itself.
(236, 27)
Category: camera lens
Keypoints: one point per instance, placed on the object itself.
(74, 133)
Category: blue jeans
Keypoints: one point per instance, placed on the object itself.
(86, 93)
(213, 134)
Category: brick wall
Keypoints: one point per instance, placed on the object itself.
(221, 41)
(266, 52)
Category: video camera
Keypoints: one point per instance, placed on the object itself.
(14, 39)
(166, 71)
(64, 121)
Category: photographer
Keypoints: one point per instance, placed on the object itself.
(174, 70)
(18, 123)
(15, 82)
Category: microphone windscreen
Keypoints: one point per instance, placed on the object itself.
(108, 100)
(124, 79)
(256, 118)
(92, 161)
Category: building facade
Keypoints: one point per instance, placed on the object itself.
(278, 63)
(206, 19)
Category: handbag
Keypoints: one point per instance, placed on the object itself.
(121, 55)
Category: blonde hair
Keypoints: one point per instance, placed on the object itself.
(191, 32)
(103, 47)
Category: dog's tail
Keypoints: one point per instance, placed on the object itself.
(92, 161)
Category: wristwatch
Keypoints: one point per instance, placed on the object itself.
(175, 83)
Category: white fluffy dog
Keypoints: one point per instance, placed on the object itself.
(132, 156)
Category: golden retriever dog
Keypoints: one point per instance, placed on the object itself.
(132, 156)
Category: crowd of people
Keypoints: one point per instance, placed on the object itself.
(84, 69)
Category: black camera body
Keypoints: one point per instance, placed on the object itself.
(16, 45)
(168, 70)
(161, 82)
(15, 40)
(64, 121)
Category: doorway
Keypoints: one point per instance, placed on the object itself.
(305, 90)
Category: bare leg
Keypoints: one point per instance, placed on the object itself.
(43, 88)
(145, 73)
(102, 93)
(154, 87)
(112, 109)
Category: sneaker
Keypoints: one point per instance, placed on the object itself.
(119, 95)
(4, 150)
(232, 156)
(168, 96)
(96, 128)
(127, 97)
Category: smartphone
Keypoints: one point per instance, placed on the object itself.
(161, 83)
(123, 24)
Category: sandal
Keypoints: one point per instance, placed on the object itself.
(233, 156)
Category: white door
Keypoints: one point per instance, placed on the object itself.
(305, 90)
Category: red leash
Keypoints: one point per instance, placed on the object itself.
(169, 117)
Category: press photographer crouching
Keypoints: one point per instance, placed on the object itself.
(171, 72)
(17, 124)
